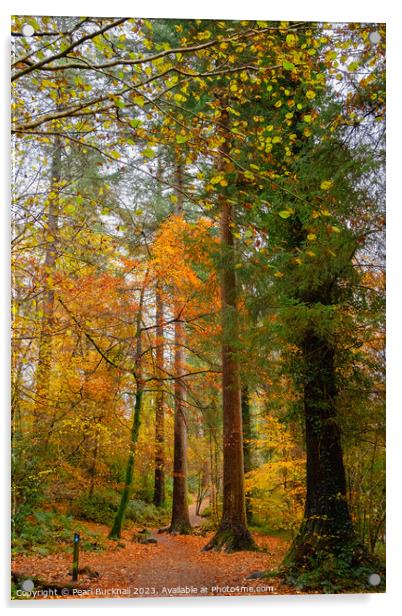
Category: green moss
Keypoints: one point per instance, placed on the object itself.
(348, 570)
(232, 540)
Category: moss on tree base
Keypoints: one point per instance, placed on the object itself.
(326, 563)
(232, 539)
(180, 527)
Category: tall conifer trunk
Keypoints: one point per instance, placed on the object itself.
(327, 525)
(159, 484)
(232, 533)
(326, 543)
(180, 522)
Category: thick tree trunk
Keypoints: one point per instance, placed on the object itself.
(159, 484)
(327, 530)
(180, 522)
(232, 533)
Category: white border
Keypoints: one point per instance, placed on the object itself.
(340, 10)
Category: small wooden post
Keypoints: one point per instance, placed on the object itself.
(75, 556)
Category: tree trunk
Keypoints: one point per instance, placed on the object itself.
(45, 351)
(247, 436)
(180, 522)
(232, 533)
(326, 530)
(93, 465)
(115, 532)
(159, 484)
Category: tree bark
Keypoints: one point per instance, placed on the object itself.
(159, 483)
(247, 436)
(180, 522)
(327, 527)
(115, 532)
(45, 350)
(232, 534)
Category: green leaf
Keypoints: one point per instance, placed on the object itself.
(135, 123)
(288, 66)
(149, 153)
(285, 213)
(182, 138)
(70, 209)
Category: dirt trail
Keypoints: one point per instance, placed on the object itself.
(196, 520)
(161, 569)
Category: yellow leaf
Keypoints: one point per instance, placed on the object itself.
(138, 100)
(179, 98)
(217, 179)
(326, 184)
(290, 40)
(49, 84)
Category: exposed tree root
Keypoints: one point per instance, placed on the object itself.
(231, 539)
(180, 527)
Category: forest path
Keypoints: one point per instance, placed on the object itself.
(195, 519)
(130, 569)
